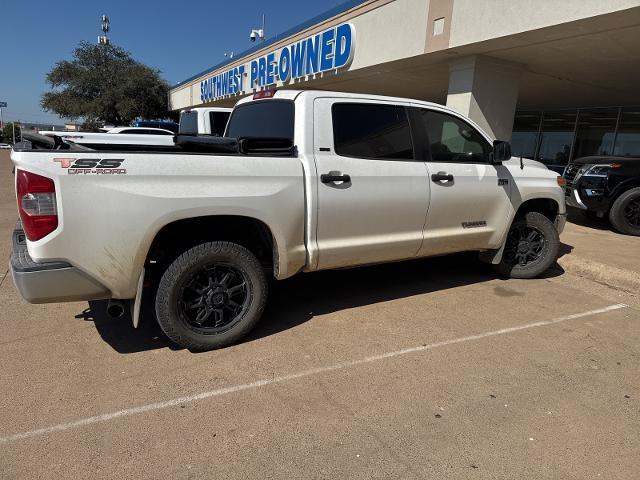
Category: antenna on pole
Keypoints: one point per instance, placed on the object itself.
(105, 27)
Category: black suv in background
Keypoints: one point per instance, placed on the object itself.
(606, 186)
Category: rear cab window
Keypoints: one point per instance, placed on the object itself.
(189, 123)
(372, 131)
(262, 119)
(218, 122)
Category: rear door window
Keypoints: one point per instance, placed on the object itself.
(374, 131)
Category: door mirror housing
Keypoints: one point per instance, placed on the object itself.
(501, 152)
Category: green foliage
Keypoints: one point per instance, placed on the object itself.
(7, 133)
(104, 84)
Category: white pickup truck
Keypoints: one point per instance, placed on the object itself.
(205, 120)
(302, 181)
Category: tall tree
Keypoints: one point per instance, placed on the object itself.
(102, 83)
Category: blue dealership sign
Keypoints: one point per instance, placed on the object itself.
(331, 49)
(3, 104)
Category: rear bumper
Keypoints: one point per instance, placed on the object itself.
(49, 282)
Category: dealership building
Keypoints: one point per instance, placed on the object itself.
(559, 78)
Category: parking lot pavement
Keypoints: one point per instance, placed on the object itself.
(426, 369)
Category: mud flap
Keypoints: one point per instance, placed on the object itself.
(135, 313)
(492, 256)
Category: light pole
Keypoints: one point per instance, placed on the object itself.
(2, 105)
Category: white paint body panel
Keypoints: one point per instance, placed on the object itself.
(380, 216)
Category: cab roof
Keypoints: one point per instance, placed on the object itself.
(295, 94)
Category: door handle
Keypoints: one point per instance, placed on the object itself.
(442, 177)
(332, 177)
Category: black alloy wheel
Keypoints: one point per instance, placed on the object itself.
(214, 298)
(531, 247)
(211, 296)
(632, 212)
(524, 245)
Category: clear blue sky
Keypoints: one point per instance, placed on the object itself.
(180, 38)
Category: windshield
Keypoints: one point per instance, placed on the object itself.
(266, 119)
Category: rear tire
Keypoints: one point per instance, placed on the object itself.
(211, 296)
(532, 247)
(625, 212)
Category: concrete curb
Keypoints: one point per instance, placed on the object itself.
(620, 278)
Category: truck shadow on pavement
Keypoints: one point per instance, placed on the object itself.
(577, 217)
(297, 300)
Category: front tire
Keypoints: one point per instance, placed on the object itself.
(531, 248)
(211, 296)
(625, 212)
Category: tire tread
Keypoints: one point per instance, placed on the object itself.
(617, 212)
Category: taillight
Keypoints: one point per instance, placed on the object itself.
(36, 197)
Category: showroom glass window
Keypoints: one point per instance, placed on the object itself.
(556, 138)
(373, 131)
(451, 139)
(524, 140)
(595, 132)
(628, 135)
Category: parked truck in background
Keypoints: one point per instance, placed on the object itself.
(205, 120)
(606, 186)
(303, 181)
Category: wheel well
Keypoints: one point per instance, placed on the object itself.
(176, 237)
(622, 188)
(546, 206)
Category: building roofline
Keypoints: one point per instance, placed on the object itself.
(343, 7)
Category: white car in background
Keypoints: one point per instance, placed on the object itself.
(140, 131)
(119, 138)
(5, 146)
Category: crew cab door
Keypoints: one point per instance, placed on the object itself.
(372, 193)
(470, 203)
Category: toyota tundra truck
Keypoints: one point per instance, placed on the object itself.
(302, 181)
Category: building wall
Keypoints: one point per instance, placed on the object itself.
(394, 31)
(479, 20)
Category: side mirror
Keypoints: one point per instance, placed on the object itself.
(501, 151)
